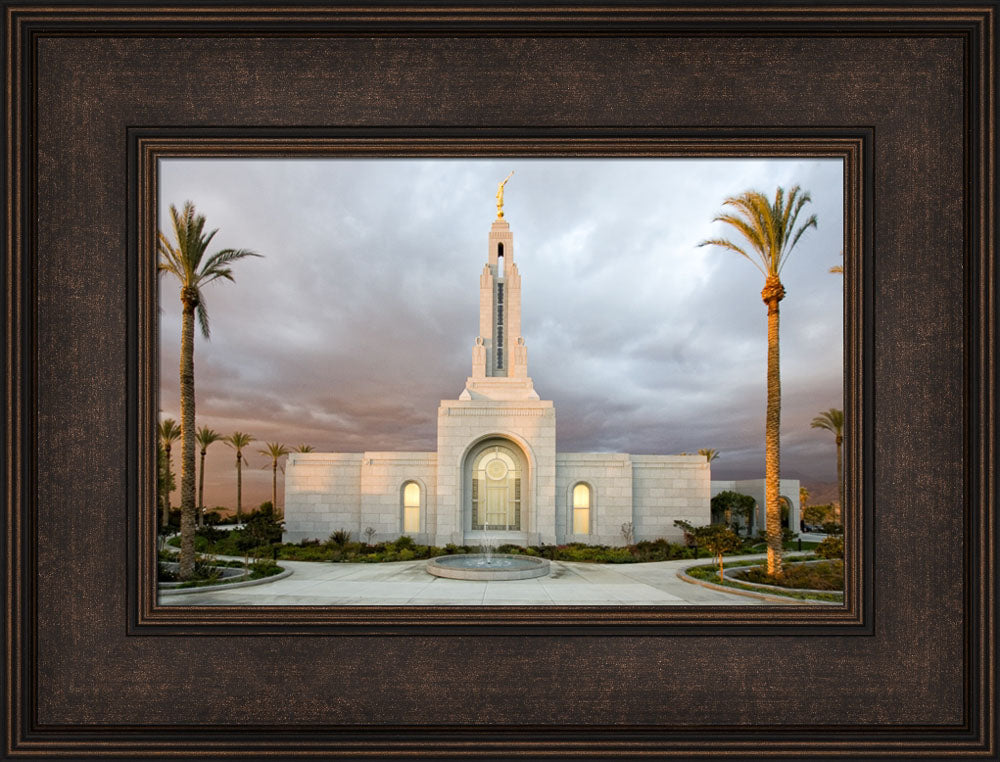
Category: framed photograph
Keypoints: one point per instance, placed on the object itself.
(366, 153)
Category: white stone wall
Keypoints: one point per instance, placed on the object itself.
(322, 493)
(666, 488)
(528, 424)
(325, 492)
(383, 475)
(609, 476)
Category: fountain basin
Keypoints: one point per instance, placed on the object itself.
(496, 568)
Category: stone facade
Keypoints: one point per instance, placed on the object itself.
(496, 471)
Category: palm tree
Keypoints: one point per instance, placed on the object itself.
(170, 432)
(186, 260)
(770, 230)
(303, 448)
(238, 440)
(205, 437)
(833, 421)
(710, 453)
(274, 450)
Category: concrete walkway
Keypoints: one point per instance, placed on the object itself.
(406, 583)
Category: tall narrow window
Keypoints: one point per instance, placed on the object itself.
(499, 326)
(581, 509)
(499, 260)
(411, 507)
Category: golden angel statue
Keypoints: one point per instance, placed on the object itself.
(500, 194)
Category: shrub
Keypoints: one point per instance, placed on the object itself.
(831, 547)
(406, 554)
(210, 533)
(211, 518)
(833, 527)
(264, 568)
(341, 537)
(825, 576)
(404, 542)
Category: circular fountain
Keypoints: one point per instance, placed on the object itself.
(491, 567)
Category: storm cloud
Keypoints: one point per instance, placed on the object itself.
(362, 312)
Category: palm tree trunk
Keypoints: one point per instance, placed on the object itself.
(187, 438)
(772, 431)
(274, 488)
(840, 474)
(201, 490)
(166, 493)
(239, 488)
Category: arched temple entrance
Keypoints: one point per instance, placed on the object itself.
(496, 478)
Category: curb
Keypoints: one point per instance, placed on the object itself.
(749, 593)
(230, 586)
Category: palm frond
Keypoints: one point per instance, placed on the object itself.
(202, 312)
(768, 226)
(723, 243)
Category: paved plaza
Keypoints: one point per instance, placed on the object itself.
(406, 583)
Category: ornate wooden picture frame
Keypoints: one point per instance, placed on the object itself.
(97, 94)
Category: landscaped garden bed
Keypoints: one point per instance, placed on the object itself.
(796, 573)
(210, 571)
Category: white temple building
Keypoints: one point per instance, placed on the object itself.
(496, 469)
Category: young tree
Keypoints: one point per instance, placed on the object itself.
(832, 420)
(205, 437)
(185, 259)
(770, 230)
(717, 539)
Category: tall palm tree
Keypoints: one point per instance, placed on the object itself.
(205, 437)
(833, 421)
(770, 230)
(274, 450)
(303, 448)
(185, 258)
(710, 453)
(170, 432)
(238, 440)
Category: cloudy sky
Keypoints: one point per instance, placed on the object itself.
(362, 313)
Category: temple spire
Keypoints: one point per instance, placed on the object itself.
(499, 356)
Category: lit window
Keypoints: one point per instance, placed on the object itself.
(411, 507)
(581, 509)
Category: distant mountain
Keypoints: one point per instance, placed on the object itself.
(821, 493)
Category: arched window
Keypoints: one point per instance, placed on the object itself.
(411, 507)
(581, 509)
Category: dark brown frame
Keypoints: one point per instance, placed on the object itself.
(906, 668)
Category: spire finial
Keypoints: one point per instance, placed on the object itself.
(500, 195)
